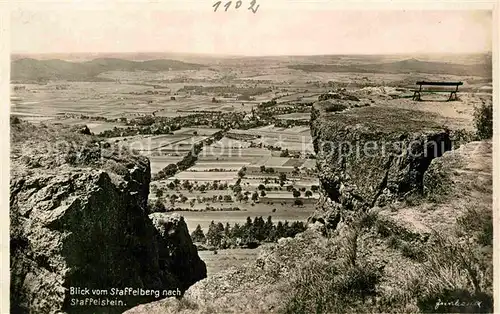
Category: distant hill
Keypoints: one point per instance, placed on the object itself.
(405, 66)
(55, 69)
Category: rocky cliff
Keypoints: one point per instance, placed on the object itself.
(79, 219)
(371, 155)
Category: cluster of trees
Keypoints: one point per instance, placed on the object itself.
(251, 234)
(267, 104)
(269, 111)
(189, 160)
(266, 170)
(166, 125)
(166, 172)
(289, 123)
(159, 204)
(176, 184)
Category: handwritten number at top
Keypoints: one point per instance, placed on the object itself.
(252, 4)
(238, 4)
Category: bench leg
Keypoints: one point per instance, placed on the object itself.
(453, 96)
(416, 96)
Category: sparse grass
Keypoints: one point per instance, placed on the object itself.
(453, 269)
(413, 199)
(185, 304)
(413, 251)
(342, 285)
(368, 220)
(478, 224)
(327, 288)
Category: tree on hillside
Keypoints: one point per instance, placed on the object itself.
(220, 227)
(186, 185)
(259, 229)
(159, 193)
(241, 173)
(248, 224)
(308, 194)
(261, 187)
(227, 230)
(270, 230)
(248, 231)
(158, 206)
(237, 189)
(282, 178)
(262, 193)
(280, 230)
(285, 153)
(296, 193)
(198, 235)
(255, 196)
(236, 231)
(262, 168)
(214, 234)
(314, 188)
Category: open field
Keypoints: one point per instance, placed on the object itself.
(113, 100)
(225, 259)
(228, 176)
(295, 139)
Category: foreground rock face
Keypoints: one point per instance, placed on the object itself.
(79, 219)
(184, 259)
(370, 155)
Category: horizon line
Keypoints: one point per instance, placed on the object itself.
(13, 53)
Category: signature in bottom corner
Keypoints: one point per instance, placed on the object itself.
(457, 303)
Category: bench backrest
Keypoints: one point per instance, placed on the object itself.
(440, 83)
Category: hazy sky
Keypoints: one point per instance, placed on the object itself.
(268, 32)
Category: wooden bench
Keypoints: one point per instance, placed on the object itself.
(453, 92)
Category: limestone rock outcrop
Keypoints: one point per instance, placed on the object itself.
(370, 155)
(79, 219)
